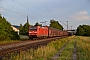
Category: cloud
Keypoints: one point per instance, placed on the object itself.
(11, 19)
(83, 15)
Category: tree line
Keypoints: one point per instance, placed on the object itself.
(53, 23)
(83, 30)
(6, 31)
(24, 28)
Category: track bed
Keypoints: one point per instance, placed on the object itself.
(24, 45)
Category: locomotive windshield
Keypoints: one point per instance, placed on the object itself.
(33, 28)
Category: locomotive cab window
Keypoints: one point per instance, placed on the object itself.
(33, 28)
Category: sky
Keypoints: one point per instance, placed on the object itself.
(76, 12)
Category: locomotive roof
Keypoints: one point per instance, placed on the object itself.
(48, 27)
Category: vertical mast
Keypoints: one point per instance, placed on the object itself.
(27, 19)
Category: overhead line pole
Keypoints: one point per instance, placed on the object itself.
(44, 23)
(65, 24)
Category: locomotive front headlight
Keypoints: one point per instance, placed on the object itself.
(35, 32)
(29, 32)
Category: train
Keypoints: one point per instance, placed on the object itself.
(45, 32)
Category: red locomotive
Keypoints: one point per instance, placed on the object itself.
(45, 31)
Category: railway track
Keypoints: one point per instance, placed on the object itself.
(24, 45)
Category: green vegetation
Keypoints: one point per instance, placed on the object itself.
(47, 52)
(8, 41)
(42, 53)
(83, 30)
(37, 24)
(67, 53)
(24, 37)
(24, 29)
(83, 49)
(6, 32)
(55, 24)
(83, 45)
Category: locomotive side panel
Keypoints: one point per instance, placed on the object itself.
(42, 32)
(38, 32)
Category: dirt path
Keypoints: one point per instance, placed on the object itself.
(74, 56)
(57, 55)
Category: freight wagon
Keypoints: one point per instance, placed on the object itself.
(45, 31)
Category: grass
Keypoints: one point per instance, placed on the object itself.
(83, 46)
(8, 41)
(83, 49)
(42, 53)
(47, 52)
(66, 54)
(22, 38)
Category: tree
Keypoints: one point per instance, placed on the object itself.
(86, 29)
(6, 32)
(55, 24)
(21, 29)
(25, 28)
(37, 24)
(80, 31)
(83, 30)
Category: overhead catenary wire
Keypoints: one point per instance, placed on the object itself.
(68, 27)
(24, 6)
(49, 9)
(18, 10)
(29, 8)
(10, 5)
(36, 7)
(44, 4)
(21, 14)
(12, 11)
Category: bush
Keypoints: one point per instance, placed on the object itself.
(83, 30)
(6, 31)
